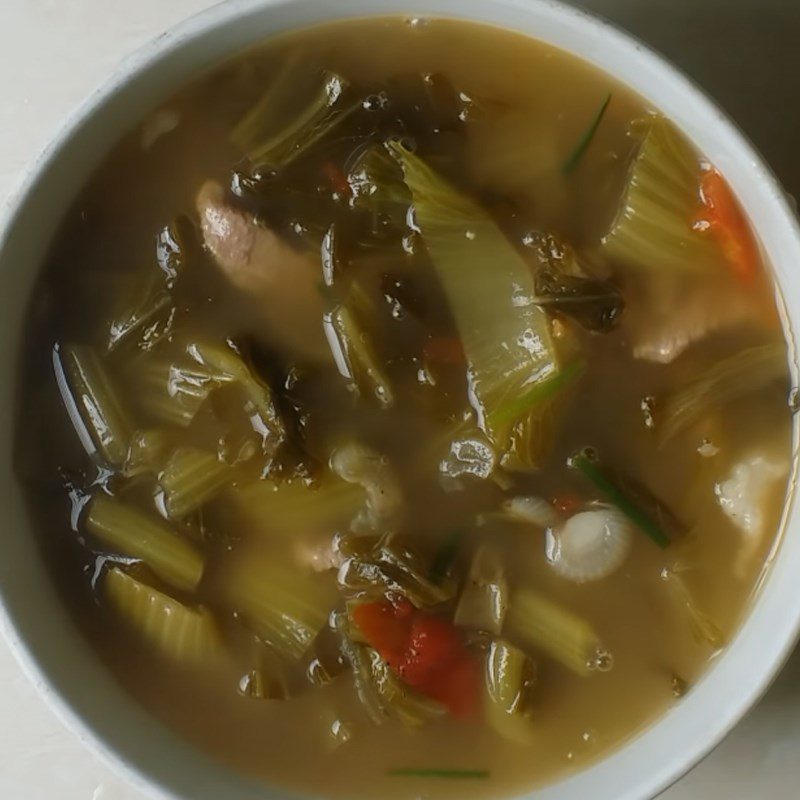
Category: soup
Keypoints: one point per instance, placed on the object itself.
(411, 412)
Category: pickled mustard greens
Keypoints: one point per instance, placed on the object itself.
(396, 427)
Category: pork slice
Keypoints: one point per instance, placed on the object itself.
(670, 318)
(281, 281)
(746, 496)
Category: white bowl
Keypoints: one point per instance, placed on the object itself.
(37, 627)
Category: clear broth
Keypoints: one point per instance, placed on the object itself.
(540, 101)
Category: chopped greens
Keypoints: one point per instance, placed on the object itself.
(535, 621)
(409, 707)
(186, 635)
(533, 437)
(654, 227)
(679, 686)
(704, 629)
(148, 451)
(174, 382)
(382, 695)
(225, 365)
(283, 605)
(729, 379)
(169, 390)
(376, 183)
(540, 392)
(151, 302)
(355, 357)
(146, 311)
(144, 536)
(510, 677)
(484, 597)
(292, 509)
(394, 567)
(614, 492)
(174, 247)
(582, 146)
(564, 284)
(93, 403)
(191, 478)
(269, 677)
(316, 114)
(490, 291)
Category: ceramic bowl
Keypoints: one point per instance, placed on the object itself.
(54, 654)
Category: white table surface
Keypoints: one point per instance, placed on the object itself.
(53, 52)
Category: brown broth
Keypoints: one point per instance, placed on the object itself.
(528, 98)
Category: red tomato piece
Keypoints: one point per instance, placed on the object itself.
(426, 652)
(433, 645)
(728, 224)
(380, 626)
(403, 607)
(459, 687)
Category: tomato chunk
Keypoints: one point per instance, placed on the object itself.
(432, 646)
(725, 221)
(386, 631)
(426, 652)
(458, 689)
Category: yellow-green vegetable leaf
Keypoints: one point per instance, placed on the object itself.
(490, 289)
(355, 357)
(134, 532)
(484, 597)
(272, 145)
(181, 633)
(281, 603)
(170, 390)
(294, 509)
(654, 227)
(225, 365)
(148, 452)
(93, 403)
(191, 478)
(536, 622)
(510, 675)
(743, 373)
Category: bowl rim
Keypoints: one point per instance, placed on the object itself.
(720, 698)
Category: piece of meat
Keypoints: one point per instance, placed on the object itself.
(744, 498)
(317, 555)
(668, 318)
(282, 281)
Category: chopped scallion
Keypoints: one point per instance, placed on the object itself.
(614, 494)
(538, 393)
(583, 144)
